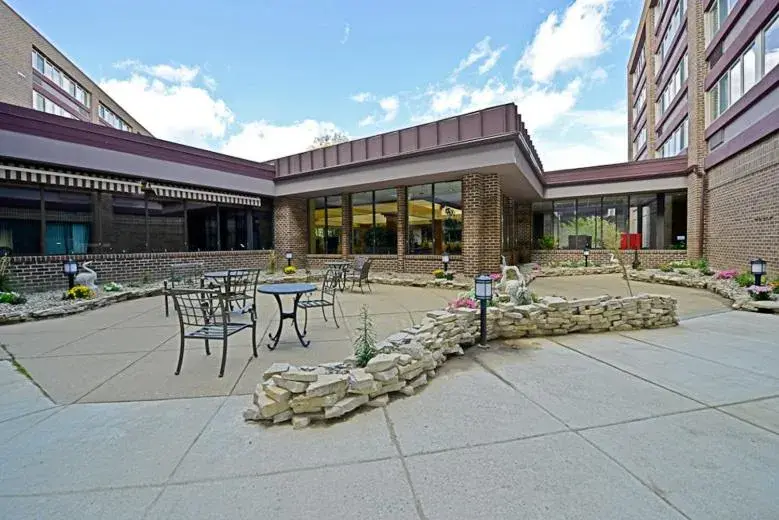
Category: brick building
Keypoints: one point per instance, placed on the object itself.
(701, 182)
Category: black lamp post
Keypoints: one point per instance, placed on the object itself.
(288, 256)
(69, 269)
(636, 261)
(586, 253)
(483, 292)
(445, 261)
(757, 267)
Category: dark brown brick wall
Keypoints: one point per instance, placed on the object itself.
(290, 229)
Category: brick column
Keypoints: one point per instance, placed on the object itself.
(290, 229)
(471, 224)
(402, 227)
(481, 223)
(696, 148)
(523, 213)
(346, 224)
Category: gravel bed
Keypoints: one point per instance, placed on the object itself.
(40, 301)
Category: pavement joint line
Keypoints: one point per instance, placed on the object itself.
(25, 374)
(406, 472)
(742, 419)
(706, 314)
(51, 412)
(245, 367)
(652, 488)
(694, 356)
(53, 407)
(628, 372)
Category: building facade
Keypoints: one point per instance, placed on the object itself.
(701, 182)
(34, 74)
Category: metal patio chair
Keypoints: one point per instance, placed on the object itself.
(359, 274)
(205, 314)
(326, 299)
(182, 276)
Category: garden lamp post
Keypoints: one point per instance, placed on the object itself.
(636, 261)
(69, 269)
(483, 292)
(445, 261)
(586, 253)
(288, 256)
(757, 267)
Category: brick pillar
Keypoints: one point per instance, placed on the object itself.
(290, 228)
(471, 224)
(482, 204)
(346, 224)
(696, 149)
(402, 226)
(523, 214)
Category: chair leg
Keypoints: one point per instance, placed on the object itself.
(369, 285)
(254, 338)
(181, 356)
(208, 350)
(165, 294)
(323, 313)
(334, 318)
(361, 288)
(224, 357)
(305, 320)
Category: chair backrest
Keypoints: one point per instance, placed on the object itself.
(241, 285)
(186, 275)
(198, 307)
(359, 262)
(366, 267)
(329, 285)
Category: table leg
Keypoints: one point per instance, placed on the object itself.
(277, 336)
(295, 321)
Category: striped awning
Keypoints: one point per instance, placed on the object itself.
(64, 178)
(175, 192)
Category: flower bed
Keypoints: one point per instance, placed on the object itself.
(406, 361)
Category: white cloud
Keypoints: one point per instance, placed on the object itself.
(390, 105)
(362, 97)
(210, 82)
(566, 43)
(599, 75)
(481, 51)
(347, 32)
(179, 74)
(177, 112)
(366, 121)
(261, 141)
(623, 29)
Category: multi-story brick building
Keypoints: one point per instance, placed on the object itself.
(702, 181)
(34, 74)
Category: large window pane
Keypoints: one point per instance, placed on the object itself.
(750, 69)
(20, 221)
(125, 231)
(643, 219)
(420, 219)
(675, 221)
(166, 225)
(202, 226)
(614, 224)
(68, 222)
(316, 225)
(233, 232)
(262, 226)
(448, 215)
(543, 225)
(735, 83)
(386, 231)
(588, 223)
(334, 220)
(363, 237)
(772, 45)
(565, 224)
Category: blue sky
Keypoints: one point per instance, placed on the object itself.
(261, 79)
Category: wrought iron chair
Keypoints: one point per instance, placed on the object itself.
(240, 286)
(186, 276)
(204, 314)
(326, 299)
(359, 274)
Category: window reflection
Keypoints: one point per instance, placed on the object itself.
(435, 218)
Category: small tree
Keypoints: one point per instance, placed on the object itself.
(272, 262)
(611, 242)
(323, 140)
(365, 342)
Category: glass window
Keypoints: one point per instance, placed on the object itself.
(20, 221)
(643, 219)
(735, 83)
(676, 142)
(107, 115)
(363, 237)
(233, 231)
(262, 226)
(565, 224)
(166, 225)
(543, 225)
(588, 223)
(771, 46)
(375, 222)
(614, 221)
(420, 219)
(325, 225)
(448, 217)
(202, 226)
(317, 225)
(675, 221)
(125, 232)
(723, 95)
(68, 222)
(750, 68)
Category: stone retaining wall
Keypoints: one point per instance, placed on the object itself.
(649, 258)
(408, 360)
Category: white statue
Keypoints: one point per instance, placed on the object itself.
(89, 278)
(513, 284)
(613, 259)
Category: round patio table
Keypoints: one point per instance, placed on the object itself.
(279, 289)
(339, 267)
(221, 275)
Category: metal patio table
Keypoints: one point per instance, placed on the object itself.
(278, 290)
(220, 276)
(339, 267)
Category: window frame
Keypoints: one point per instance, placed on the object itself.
(60, 78)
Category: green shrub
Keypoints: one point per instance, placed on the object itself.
(667, 268)
(365, 342)
(745, 279)
(5, 275)
(546, 242)
(13, 298)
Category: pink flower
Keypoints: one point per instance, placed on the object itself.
(496, 277)
(728, 274)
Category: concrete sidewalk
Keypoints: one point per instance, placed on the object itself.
(671, 423)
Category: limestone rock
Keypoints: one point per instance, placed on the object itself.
(300, 375)
(296, 387)
(300, 421)
(282, 417)
(275, 368)
(407, 390)
(359, 379)
(328, 384)
(382, 362)
(374, 387)
(251, 414)
(268, 407)
(345, 405)
(421, 380)
(305, 403)
(278, 394)
(379, 401)
(404, 359)
(386, 375)
(394, 387)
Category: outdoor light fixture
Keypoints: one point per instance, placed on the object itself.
(288, 256)
(758, 269)
(483, 292)
(636, 261)
(445, 261)
(69, 269)
(586, 253)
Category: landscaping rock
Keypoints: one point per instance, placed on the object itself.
(382, 362)
(345, 405)
(328, 384)
(275, 368)
(296, 387)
